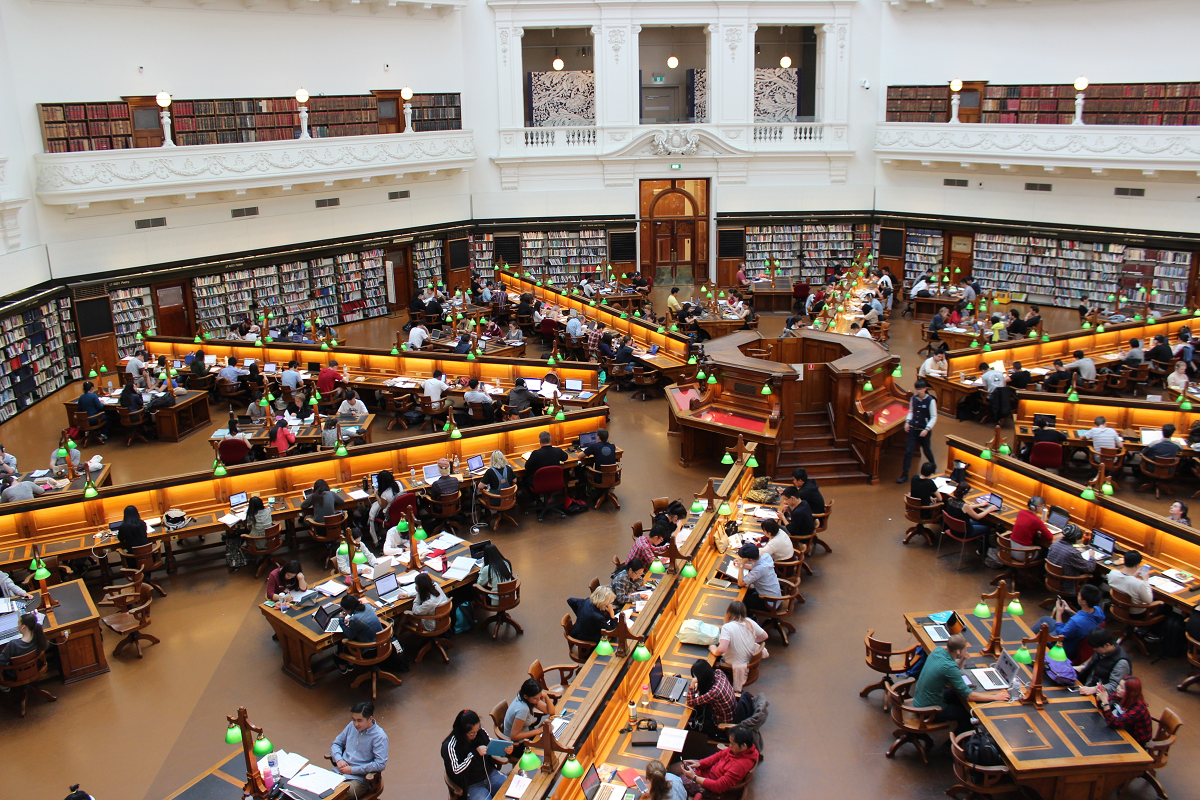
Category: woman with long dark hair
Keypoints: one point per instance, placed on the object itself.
(30, 639)
(429, 599)
(464, 756)
(496, 570)
(386, 490)
(132, 532)
(1127, 709)
(321, 502)
(285, 579)
(712, 696)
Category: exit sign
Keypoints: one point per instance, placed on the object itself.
(677, 166)
(660, 79)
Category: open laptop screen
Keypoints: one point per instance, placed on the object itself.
(235, 500)
(475, 463)
(387, 584)
(1102, 541)
(432, 473)
(1058, 519)
(574, 385)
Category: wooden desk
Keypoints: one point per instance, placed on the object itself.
(716, 327)
(103, 477)
(446, 339)
(776, 294)
(1128, 415)
(225, 780)
(1066, 750)
(305, 434)
(188, 415)
(1163, 543)
(958, 339)
(414, 482)
(74, 625)
(924, 308)
(301, 641)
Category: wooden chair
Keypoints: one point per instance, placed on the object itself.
(604, 480)
(499, 505)
(475, 413)
(271, 451)
(577, 649)
(130, 619)
(396, 403)
(914, 513)
(658, 505)
(955, 529)
(24, 672)
(327, 532)
(822, 525)
(504, 598)
(1193, 657)
(145, 558)
(1019, 562)
(1158, 372)
(261, 547)
(371, 655)
(1159, 748)
(565, 673)
(752, 667)
(1113, 459)
(435, 411)
(785, 604)
(646, 383)
(201, 383)
(880, 658)
(883, 336)
(1158, 470)
(509, 412)
(1138, 378)
(133, 423)
(1137, 617)
(977, 781)
(1086, 386)
(441, 619)
(1116, 383)
(931, 341)
(228, 391)
(445, 508)
(1059, 585)
(913, 725)
(1046, 455)
(89, 432)
(498, 713)
(134, 586)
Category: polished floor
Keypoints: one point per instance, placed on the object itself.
(150, 726)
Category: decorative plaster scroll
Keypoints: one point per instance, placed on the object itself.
(616, 38)
(675, 142)
(841, 42)
(504, 46)
(733, 37)
(1042, 143)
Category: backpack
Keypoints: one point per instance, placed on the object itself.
(1174, 636)
(1060, 672)
(573, 506)
(915, 670)
(981, 750)
(744, 708)
(463, 621)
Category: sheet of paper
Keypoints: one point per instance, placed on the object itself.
(407, 577)
(40, 473)
(315, 779)
(457, 573)
(298, 596)
(944, 484)
(762, 512)
(999, 366)
(358, 494)
(289, 763)
(672, 739)
(1165, 584)
(332, 588)
(1151, 435)
(444, 541)
(229, 520)
(436, 564)
(517, 786)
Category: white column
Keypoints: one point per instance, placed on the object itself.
(616, 59)
(509, 94)
(600, 74)
(731, 88)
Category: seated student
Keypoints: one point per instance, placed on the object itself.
(671, 518)
(285, 579)
(386, 490)
(231, 372)
(1102, 435)
(651, 544)
(1126, 708)
(523, 720)
(1135, 356)
(281, 436)
(351, 404)
(359, 624)
(624, 353)
(428, 600)
(810, 491)
(1107, 666)
(1179, 378)
(1131, 579)
(464, 758)
(513, 334)
(778, 544)
(741, 639)
(972, 514)
(1164, 448)
(234, 431)
(1058, 375)
(939, 321)
(545, 456)
(661, 784)
(89, 402)
(417, 336)
(15, 491)
(940, 685)
(57, 462)
(132, 532)
(257, 411)
(1063, 554)
(710, 696)
(131, 398)
(360, 749)
(1033, 318)
(1082, 364)
(602, 453)
(520, 398)
(1043, 433)
(999, 332)
(723, 770)
(628, 583)
(924, 489)
(935, 363)
(8, 462)
(1074, 628)
(1178, 512)
(1029, 531)
(1019, 378)
(920, 288)
(343, 561)
(474, 395)
(594, 615)
(496, 570)
(30, 639)
(322, 502)
(799, 516)
(870, 315)
(499, 474)
(330, 435)
(1017, 327)
(447, 484)
(490, 329)
(9, 587)
(756, 574)
(855, 330)
(1161, 351)
(463, 346)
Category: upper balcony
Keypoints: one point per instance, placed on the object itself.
(76, 180)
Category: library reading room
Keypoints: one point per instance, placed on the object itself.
(580, 400)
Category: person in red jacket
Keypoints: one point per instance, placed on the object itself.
(328, 378)
(724, 769)
(1029, 531)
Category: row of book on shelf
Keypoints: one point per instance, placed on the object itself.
(40, 354)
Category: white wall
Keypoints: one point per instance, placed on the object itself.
(224, 50)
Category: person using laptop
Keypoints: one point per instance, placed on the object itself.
(628, 583)
(464, 757)
(496, 570)
(1164, 448)
(711, 696)
(322, 502)
(231, 372)
(1073, 627)
(291, 377)
(132, 531)
(257, 411)
(756, 574)
(343, 561)
(546, 455)
(1131, 579)
(499, 474)
(329, 432)
(520, 398)
(1107, 666)
(328, 378)
(352, 404)
(435, 387)
(283, 580)
(447, 484)
(31, 639)
(741, 639)
(941, 685)
(972, 515)
(428, 600)
(594, 615)
(514, 335)
(359, 624)
(1179, 378)
(722, 770)
(1043, 433)
(360, 749)
(523, 720)
(1064, 554)
(601, 453)
(9, 587)
(134, 368)
(1029, 530)
(624, 353)
(1102, 435)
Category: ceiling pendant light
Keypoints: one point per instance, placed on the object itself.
(672, 62)
(785, 62)
(558, 63)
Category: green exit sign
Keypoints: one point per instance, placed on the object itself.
(677, 166)
(660, 79)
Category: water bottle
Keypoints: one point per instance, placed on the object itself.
(271, 771)
(412, 474)
(633, 714)
(456, 462)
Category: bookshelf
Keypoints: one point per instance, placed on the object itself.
(436, 112)
(427, 263)
(268, 290)
(533, 251)
(324, 289)
(374, 284)
(923, 252)
(132, 307)
(1170, 271)
(768, 244)
(827, 247)
(349, 287)
(295, 289)
(563, 254)
(221, 300)
(350, 115)
(77, 127)
(1060, 271)
(40, 354)
(918, 103)
(482, 255)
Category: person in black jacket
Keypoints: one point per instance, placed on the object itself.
(89, 401)
(1042, 433)
(1020, 377)
(132, 532)
(359, 624)
(464, 756)
(131, 398)
(1056, 376)
(544, 456)
(924, 489)
(1017, 327)
(1161, 352)
(800, 518)
(594, 615)
(810, 492)
(624, 352)
(601, 453)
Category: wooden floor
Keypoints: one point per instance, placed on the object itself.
(151, 725)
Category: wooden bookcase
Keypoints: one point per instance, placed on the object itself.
(76, 127)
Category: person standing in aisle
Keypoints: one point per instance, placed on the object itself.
(918, 426)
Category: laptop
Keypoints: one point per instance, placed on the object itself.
(177, 364)
(1050, 420)
(431, 472)
(595, 789)
(238, 503)
(668, 687)
(327, 621)
(245, 419)
(388, 587)
(533, 384)
(993, 499)
(307, 493)
(269, 369)
(937, 632)
(574, 385)
(210, 361)
(588, 439)
(477, 548)
(8, 626)
(653, 349)
(1057, 519)
(313, 366)
(999, 677)
(1102, 547)
(475, 464)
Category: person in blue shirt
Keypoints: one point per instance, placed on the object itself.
(89, 402)
(464, 344)
(359, 624)
(360, 749)
(756, 573)
(1074, 630)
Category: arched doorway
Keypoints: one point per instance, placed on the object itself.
(675, 230)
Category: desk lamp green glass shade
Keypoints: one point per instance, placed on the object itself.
(766, 389)
(419, 534)
(727, 459)
(196, 340)
(1057, 653)
(560, 416)
(360, 557)
(343, 549)
(529, 761)
(1088, 493)
(982, 611)
(233, 735)
(868, 386)
(1073, 397)
(605, 648)
(456, 434)
(1023, 656)
(1014, 608)
(986, 455)
(341, 449)
(395, 350)
(700, 375)
(1005, 450)
(1107, 488)
(219, 470)
(89, 489)
(712, 379)
(61, 452)
(93, 374)
(262, 745)
(572, 769)
(697, 507)
(641, 653)
(402, 526)
(657, 567)
(724, 510)
(752, 462)
(324, 346)
(263, 402)
(688, 570)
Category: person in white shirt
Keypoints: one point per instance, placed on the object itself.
(1102, 435)
(395, 543)
(778, 545)
(1131, 580)
(857, 331)
(352, 405)
(435, 387)
(343, 562)
(922, 285)
(134, 368)
(8, 462)
(994, 382)
(587, 288)
(1179, 378)
(474, 395)
(417, 336)
(935, 363)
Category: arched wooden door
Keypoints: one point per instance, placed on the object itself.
(675, 231)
